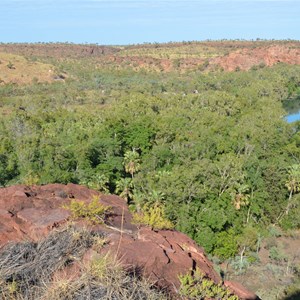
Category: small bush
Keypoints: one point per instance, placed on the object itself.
(198, 287)
(153, 216)
(270, 242)
(31, 178)
(226, 244)
(277, 271)
(94, 211)
(292, 220)
(292, 292)
(239, 265)
(277, 254)
(104, 266)
(10, 65)
(274, 231)
(253, 257)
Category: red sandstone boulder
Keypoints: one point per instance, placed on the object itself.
(32, 212)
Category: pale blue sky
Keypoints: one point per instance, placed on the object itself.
(138, 21)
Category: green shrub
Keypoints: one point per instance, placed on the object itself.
(153, 216)
(292, 220)
(270, 242)
(239, 265)
(277, 254)
(10, 65)
(274, 231)
(226, 244)
(94, 211)
(206, 238)
(198, 287)
(253, 257)
(97, 182)
(31, 178)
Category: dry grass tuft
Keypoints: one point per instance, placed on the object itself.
(27, 269)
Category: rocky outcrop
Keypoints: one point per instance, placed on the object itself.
(30, 213)
(245, 59)
(58, 50)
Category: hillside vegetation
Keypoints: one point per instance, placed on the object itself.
(17, 69)
(212, 147)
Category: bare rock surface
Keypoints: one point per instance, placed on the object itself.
(245, 59)
(30, 213)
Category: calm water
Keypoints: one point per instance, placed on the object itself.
(292, 108)
(293, 117)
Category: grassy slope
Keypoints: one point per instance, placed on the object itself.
(19, 70)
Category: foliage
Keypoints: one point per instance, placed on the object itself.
(293, 183)
(30, 178)
(197, 286)
(10, 65)
(277, 254)
(97, 182)
(124, 188)
(93, 211)
(226, 244)
(131, 162)
(222, 159)
(292, 221)
(249, 238)
(100, 267)
(292, 292)
(153, 215)
(239, 265)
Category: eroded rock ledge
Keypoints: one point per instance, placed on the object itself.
(31, 213)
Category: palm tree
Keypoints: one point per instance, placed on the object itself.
(124, 188)
(293, 183)
(97, 182)
(101, 182)
(139, 200)
(132, 162)
(240, 196)
(155, 196)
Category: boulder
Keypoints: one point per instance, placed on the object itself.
(30, 213)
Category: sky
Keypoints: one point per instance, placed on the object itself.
(120, 22)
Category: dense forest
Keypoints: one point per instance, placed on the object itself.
(212, 147)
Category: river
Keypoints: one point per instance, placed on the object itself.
(292, 108)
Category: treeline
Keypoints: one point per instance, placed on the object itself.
(214, 149)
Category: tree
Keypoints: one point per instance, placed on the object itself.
(132, 162)
(240, 197)
(97, 182)
(139, 200)
(293, 183)
(155, 196)
(124, 188)
(247, 241)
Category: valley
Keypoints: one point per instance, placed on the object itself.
(197, 129)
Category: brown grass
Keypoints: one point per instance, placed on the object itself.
(29, 271)
(17, 69)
